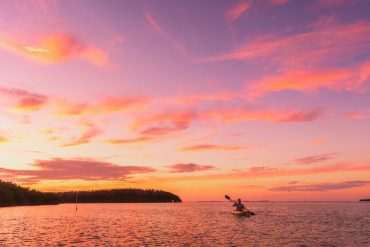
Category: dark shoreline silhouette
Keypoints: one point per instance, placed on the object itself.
(364, 200)
(12, 194)
(119, 196)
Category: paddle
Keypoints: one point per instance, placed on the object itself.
(228, 198)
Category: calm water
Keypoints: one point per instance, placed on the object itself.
(187, 224)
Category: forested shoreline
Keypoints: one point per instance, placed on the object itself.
(118, 196)
(12, 194)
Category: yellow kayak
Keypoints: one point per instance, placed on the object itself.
(242, 213)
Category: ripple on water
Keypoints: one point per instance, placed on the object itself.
(187, 224)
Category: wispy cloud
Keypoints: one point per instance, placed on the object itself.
(54, 48)
(365, 71)
(255, 169)
(212, 147)
(235, 12)
(358, 115)
(304, 61)
(140, 139)
(165, 123)
(85, 137)
(302, 81)
(68, 169)
(31, 101)
(90, 131)
(261, 169)
(308, 160)
(309, 170)
(174, 121)
(115, 104)
(322, 186)
(320, 140)
(26, 100)
(271, 172)
(154, 24)
(245, 114)
(319, 45)
(190, 167)
(204, 97)
(164, 130)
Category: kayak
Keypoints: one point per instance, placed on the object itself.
(241, 213)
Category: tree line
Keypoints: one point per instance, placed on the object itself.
(119, 195)
(14, 195)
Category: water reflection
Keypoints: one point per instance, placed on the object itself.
(187, 224)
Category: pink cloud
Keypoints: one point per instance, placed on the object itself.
(54, 48)
(245, 114)
(255, 169)
(322, 186)
(199, 97)
(358, 115)
(190, 167)
(154, 24)
(308, 160)
(281, 172)
(236, 11)
(321, 44)
(261, 169)
(365, 71)
(303, 81)
(84, 138)
(164, 130)
(67, 169)
(104, 106)
(27, 101)
(175, 121)
(212, 147)
(320, 140)
(311, 170)
(139, 139)
(165, 123)
(266, 172)
(304, 61)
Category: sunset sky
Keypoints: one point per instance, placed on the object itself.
(258, 99)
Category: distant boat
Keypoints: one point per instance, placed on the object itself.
(364, 200)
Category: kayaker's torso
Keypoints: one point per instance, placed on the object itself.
(239, 206)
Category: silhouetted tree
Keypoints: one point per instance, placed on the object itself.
(119, 195)
(14, 195)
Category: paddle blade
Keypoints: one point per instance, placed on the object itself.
(227, 197)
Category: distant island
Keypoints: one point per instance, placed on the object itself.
(14, 195)
(364, 200)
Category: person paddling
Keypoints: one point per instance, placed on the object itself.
(239, 205)
(240, 208)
